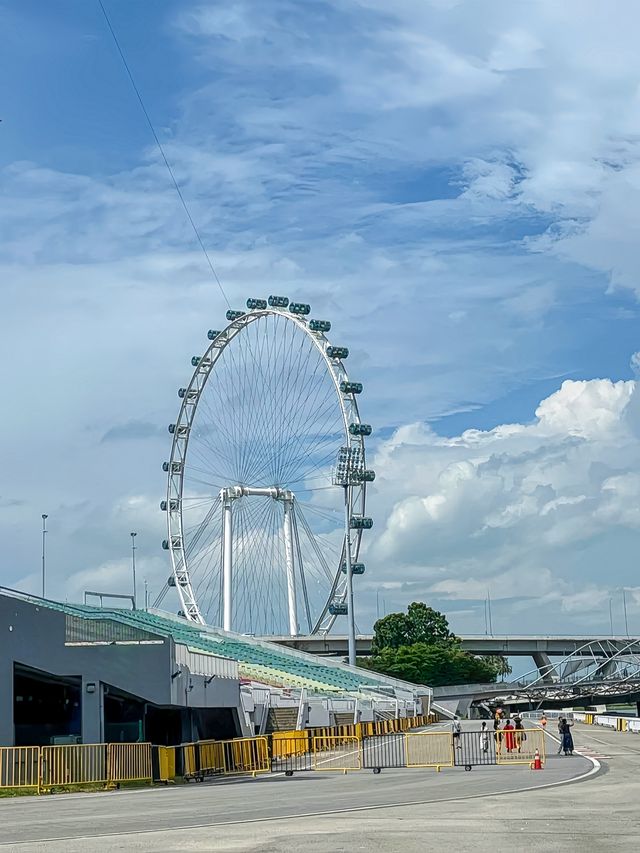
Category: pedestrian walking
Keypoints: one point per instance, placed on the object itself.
(520, 733)
(497, 734)
(509, 736)
(457, 730)
(543, 722)
(561, 725)
(484, 738)
(566, 743)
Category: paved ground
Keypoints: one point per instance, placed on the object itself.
(405, 810)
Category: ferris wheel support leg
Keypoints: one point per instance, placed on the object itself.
(347, 553)
(227, 563)
(291, 576)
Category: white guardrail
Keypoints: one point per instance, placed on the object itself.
(605, 720)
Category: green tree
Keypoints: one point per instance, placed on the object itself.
(499, 663)
(434, 664)
(420, 624)
(418, 646)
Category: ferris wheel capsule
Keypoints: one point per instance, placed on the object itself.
(278, 301)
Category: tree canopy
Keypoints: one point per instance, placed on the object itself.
(420, 624)
(418, 646)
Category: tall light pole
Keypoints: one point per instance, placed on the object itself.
(44, 552)
(350, 472)
(133, 566)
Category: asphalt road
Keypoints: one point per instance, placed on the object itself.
(359, 811)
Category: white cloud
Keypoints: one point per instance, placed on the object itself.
(523, 510)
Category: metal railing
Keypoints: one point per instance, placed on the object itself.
(373, 745)
(20, 767)
(73, 764)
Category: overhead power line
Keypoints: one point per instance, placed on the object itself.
(161, 150)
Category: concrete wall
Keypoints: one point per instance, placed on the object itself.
(34, 637)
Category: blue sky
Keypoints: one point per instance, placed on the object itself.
(455, 187)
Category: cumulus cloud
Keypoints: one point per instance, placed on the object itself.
(519, 511)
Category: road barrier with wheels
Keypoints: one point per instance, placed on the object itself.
(336, 752)
(429, 749)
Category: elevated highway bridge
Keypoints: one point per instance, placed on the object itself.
(510, 646)
(567, 669)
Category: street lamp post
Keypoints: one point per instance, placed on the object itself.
(44, 557)
(133, 566)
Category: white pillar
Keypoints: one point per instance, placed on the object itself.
(291, 577)
(227, 562)
(351, 621)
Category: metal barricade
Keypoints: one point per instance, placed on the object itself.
(73, 764)
(164, 763)
(471, 749)
(383, 751)
(246, 755)
(429, 749)
(518, 746)
(129, 762)
(336, 752)
(19, 767)
(291, 754)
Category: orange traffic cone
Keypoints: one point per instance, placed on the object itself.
(537, 761)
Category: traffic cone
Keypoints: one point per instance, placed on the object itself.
(537, 761)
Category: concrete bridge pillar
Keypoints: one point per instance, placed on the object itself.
(545, 667)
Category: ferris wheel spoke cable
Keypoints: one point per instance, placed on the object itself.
(322, 463)
(225, 445)
(258, 425)
(314, 544)
(251, 405)
(303, 412)
(261, 561)
(287, 413)
(224, 440)
(246, 527)
(281, 414)
(303, 579)
(300, 460)
(296, 445)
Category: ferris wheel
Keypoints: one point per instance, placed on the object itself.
(257, 532)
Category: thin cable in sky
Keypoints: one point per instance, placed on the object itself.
(161, 150)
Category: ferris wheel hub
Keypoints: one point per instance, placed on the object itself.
(230, 493)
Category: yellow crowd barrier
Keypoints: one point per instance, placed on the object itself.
(166, 763)
(246, 755)
(20, 767)
(336, 752)
(129, 762)
(73, 764)
(519, 746)
(285, 744)
(429, 749)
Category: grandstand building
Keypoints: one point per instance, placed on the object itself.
(82, 674)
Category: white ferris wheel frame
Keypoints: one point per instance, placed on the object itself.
(356, 493)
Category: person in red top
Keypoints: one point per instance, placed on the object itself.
(509, 736)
